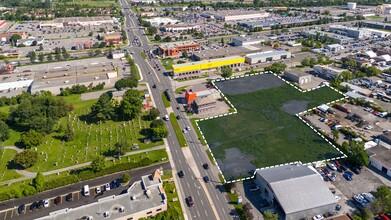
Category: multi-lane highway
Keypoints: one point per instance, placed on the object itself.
(210, 201)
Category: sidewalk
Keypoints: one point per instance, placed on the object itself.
(29, 175)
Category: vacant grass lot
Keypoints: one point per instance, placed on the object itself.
(90, 139)
(265, 132)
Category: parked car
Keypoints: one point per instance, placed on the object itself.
(181, 174)
(33, 206)
(46, 203)
(21, 208)
(348, 175)
(118, 183)
(57, 200)
(383, 217)
(332, 166)
(317, 217)
(113, 185)
(97, 190)
(107, 187)
(69, 197)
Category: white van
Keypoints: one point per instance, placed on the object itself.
(86, 190)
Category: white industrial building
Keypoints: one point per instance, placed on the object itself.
(328, 72)
(177, 28)
(247, 40)
(271, 55)
(161, 20)
(77, 21)
(334, 47)
(296, 191)
(380, 157)
(351, 6)
(297, 76)
(235, 15)
(358, 33)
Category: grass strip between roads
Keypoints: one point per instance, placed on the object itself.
(178, 131)
(165, 101)
(210, 157)
(143, 55)
(198, 132)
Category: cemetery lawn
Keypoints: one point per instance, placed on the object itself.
(90, 139)
(7, 174)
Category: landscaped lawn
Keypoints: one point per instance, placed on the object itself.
(167, 63)
(169, 187)
(90, 139)
(264, 132)
(7, 155)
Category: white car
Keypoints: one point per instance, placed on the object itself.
(337, 198)
(46, 203)
(317, 217)
(369, 127)
(188, 128)
(184, 131)
(97, 190)
(107, 187)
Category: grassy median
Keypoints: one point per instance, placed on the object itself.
(165, 101)
(178, 131)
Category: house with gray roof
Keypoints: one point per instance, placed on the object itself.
(296, 191)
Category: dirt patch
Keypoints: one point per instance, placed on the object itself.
(235, 164)
(295, 106)
(249, 84)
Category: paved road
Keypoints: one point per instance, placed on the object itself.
(79, 199)
(209, 201)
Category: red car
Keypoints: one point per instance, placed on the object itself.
(383, 217)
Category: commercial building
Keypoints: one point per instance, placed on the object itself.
(175, 49)
(247, 40)
(376, 25)
(2, 23)
(272, 55)
(177, 28)
(213, 53)
(380, 157)
(327, 72)
(113, 38)
(6, 36)
(205, 104)
(235, 15)
(143, 199)
(30, 41)
(356, 89)
(334, 47)
(298, 76)
(189, 70)
(201, 98)
(354, 32)
(296, 191)
(267, 23)
(160, 20)
(351, 6)
(340, 39)
(77, 21)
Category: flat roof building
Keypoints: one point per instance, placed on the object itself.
(175, 49)
(327, 72)
(77, 21)
(377, 25)
(247, 40)
(143, 199)
(213, 53)
(334, 47)
(266, 56)
(235, 15)
(340, 39)
(159, 20)
(354, 32)
(380, 157)
(177, 28)
(298, 76)
(296, 191)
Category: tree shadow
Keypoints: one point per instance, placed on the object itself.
(59, 137)
(11, 165)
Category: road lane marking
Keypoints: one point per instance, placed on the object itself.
(12, 213)
(202, 202)
(198, 213)
(206, 213)
(188, 186)
(198, 192)
(5, 215)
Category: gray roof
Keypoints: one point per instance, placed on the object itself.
(139, 203)
(267, 54)
(297, 187)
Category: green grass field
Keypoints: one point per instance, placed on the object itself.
(88, 3)
(90, 139)
(266, 133)
(167, 63)
(6, 174)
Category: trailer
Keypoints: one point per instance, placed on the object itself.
(342, 108)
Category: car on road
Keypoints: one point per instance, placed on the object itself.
(69, 197)
(184, 131)
(107, 187)
(178, 108)
(206, 179)
(181, 174)
(98, 190)
(189, 201)
(21, 208)
(46, 203)
(154, 86)
(57, 200)
(178, 117)
(188, 128)
(205, 166)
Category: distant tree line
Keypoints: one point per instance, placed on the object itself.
(80, 89)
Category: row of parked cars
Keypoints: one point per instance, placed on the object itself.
(328, 174)
(69, 197)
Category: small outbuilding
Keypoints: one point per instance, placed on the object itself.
(297, 76)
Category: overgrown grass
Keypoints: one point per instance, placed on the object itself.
(180, 89)
(265, 132)
(90, 139)
(165, 101)
(210, 157)
(198, 132)
(178, 131)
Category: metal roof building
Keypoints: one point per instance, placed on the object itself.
(271, 55)
(296, 191)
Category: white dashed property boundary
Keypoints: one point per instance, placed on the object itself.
(297, 115)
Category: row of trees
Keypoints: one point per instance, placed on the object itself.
(80, 89)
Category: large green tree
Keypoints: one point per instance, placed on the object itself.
(276, 68)
(104, 109)
(131, 104)
(356, 153)
(69, 133)
(39, 182)
(31, 139)
(226, 71)
(154, 113)
(4, 131)
(98, 163)
(26, 158)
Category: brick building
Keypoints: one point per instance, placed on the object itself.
(175, 49)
